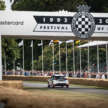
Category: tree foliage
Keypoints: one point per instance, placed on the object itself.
(10, 51)
(47, 5)
(98, 5)
(2, 5)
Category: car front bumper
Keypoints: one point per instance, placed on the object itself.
(61, 84)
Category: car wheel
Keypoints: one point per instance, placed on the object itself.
(48, 86)
(53, 86)
(67, 86)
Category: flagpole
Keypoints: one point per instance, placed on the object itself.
(14, 66)
(106, 58)
(53, 58)
(23, 56)
(0, 58)
(5, 64)
(32, 56)
(42, 58)
(66, 61)
(88, 57)
(97, 58)
(80, 62)
(73, 59)
(59, 59)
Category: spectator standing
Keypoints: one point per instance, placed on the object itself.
(103, 76)
(97, 76)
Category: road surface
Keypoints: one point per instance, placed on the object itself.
(73, 88)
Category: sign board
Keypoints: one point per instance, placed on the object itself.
(52, 25)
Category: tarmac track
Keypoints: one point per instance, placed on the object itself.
(73, 88)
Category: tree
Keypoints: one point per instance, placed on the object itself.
(10, 51)
(47, 5)
(47, 57)
(2, 5)
(98, 5)
(55, 5)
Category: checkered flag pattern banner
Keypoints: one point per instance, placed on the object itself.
(83, 24)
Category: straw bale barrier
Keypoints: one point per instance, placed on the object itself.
(89, 82)
(12, 84)
(80, 81)
(26, 78)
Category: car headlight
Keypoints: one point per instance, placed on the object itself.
(55, 82)
(67, 82)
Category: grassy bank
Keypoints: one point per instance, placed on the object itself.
(49, 98)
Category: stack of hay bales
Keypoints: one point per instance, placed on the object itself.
(26, 78)
(12, 84)
(89, 82)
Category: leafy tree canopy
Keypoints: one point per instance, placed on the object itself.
(2, 5)
(98, 5)
(47, 5)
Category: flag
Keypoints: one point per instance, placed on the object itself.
(55, 41)
(60, 42)
(40, 44)
(51, 42)
(69, 41)
(77, 41)
(20, 44)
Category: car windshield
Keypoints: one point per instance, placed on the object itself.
(59, 77)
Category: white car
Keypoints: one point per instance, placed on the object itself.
(58, 80)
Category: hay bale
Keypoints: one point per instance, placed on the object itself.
(26, 78)
(12, 84)
(89, 82)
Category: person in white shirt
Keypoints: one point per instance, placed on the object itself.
(97, 76)
(103, 76)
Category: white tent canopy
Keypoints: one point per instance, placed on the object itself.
(93, 43)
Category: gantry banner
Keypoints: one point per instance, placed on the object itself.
(54, 25)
